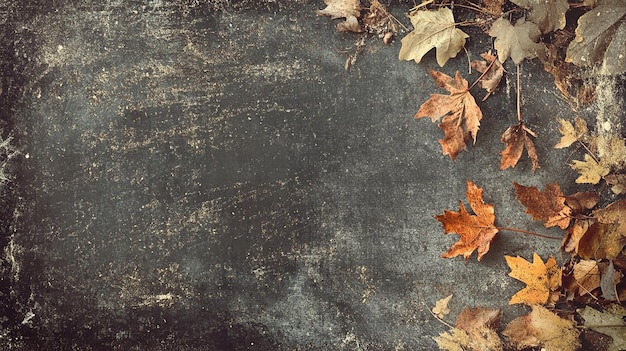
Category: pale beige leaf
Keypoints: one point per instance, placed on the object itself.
(341, 8)
(590, 171)
(441, 307)
(548, 15)
(433, 29)
(518, 42)
(571, 132)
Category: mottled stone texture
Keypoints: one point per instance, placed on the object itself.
(207, 176)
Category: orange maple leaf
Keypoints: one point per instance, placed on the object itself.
(461, 115)
(476, 231)
(543, 280)
(516, 139)
(548, 206)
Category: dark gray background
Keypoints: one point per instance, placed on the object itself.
(206, 175)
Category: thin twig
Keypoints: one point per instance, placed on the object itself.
(527, 232)
(483, 74)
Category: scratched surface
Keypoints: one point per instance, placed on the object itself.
(203, 179)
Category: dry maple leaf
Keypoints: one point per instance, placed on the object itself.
(475, 330)
(575, 233)
(572, 132)
(601, 38)
(586, 277)
(341, 8)
(441, 307)
(548, 206)
(547, 15)
(433, 29)
(610, 322)
(476, 231)
(462, 115)
(518, 42)
(543, 280)
(590, 170)
(607, 237)
(494, 72)
(516, 139)
(542, 328)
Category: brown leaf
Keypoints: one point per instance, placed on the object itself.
(547, 206)
(617, 182)
(542, 328)
(341, 8)
(433, 29)
(548, 15)
(462, 115)
(518, 42)
(601, 241)
(377, 20)
(586, 276)
(475, 330)
(516, 139)
(610, 322)
(572, 132)
(476, 231)
(494, 7)
(494, 69)
(601, 38)
(582, 201)
(575, 233)
(543, 280)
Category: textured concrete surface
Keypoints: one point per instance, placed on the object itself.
(202, 179)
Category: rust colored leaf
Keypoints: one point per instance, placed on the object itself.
(494, 69)
(494, 7)
(575, 233)
(542, 328)
(543, 280)
(547, 206)
(582, 201)
(516, 139)
(476, 231)
(461, 115)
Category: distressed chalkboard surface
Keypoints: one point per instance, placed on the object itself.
(198, 175)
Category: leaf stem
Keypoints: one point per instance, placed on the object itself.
(519, 94)
(527, 232)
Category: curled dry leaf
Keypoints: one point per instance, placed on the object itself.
(475, 330)
(494, 72)
(572, 132)
(601, 38)
(547, 15)
(351, 24)
(575, 233)
(341, 8)
(476, 231)
(516, 139)
(547, 206)
(542, 328)
(462, 114)
(518, 42)
(543, 280)
(441, 307)
(433, 29)
(586, 277)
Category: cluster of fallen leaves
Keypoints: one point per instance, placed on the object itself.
(560, 297)
(581, 300)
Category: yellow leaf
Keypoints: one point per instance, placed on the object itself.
(590, 170)
(542, 279)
